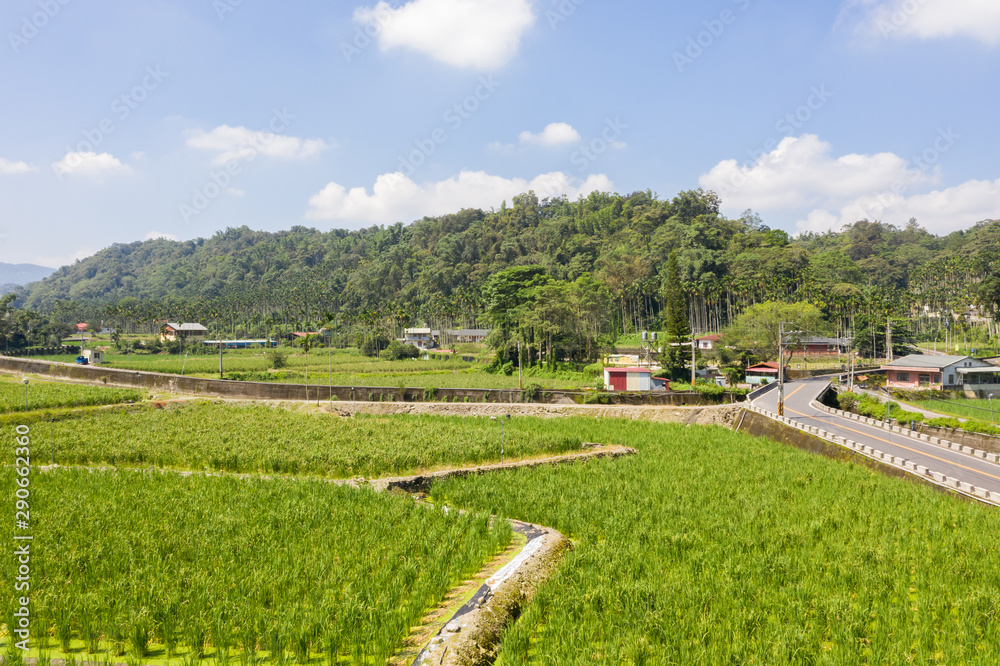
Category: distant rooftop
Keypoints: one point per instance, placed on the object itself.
(186, 327)
(930, 362)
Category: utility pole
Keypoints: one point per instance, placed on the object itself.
(888, 340)
(220, 360)
(519, 385)
(850, 361)
(781, 368)
(694, 364)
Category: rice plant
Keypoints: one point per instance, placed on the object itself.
(190, 568)
(716, 548)
(259, 439)
(45, 394)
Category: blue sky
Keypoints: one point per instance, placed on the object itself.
(129, 119)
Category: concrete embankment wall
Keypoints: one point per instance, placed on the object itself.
(971, 439)
(274, 391)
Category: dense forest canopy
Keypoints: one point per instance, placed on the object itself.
(599, 265)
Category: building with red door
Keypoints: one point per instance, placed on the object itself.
(628, 379)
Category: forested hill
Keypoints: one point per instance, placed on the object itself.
(434, 269)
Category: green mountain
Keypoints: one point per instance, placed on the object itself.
(435, 269)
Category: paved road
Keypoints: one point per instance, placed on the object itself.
(800, 393)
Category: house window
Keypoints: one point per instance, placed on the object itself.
(951, 380)
(925, 380)
(902, 376)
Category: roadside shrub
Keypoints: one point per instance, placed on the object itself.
(980, 427)
(709, 390)
(597, 399)
(907, 418)
(530, 393)
(430, 394)
(945, 422)
(847, 401)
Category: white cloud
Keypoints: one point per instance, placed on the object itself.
(90, 165)
(820, 192)
(396, 198)
(800, 172)
(240, 143)
(926, 19)
(940, 211)
(7, 167)
(159, 234)
(477, 34)
(554, 134)
(65, 260)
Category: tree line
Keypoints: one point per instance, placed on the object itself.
(565, 279)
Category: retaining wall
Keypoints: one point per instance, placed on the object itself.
(318, 392)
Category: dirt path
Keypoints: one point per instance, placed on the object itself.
(724, 415)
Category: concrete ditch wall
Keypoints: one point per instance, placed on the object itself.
(274, 391)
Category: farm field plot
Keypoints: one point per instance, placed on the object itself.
(138, 565)
(272, 440)
(344, 367)
(49, 394)
(711, 547)
(962, 407)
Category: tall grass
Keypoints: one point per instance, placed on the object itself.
(716, 548)
(147, 564)
(252, 439)
(41, 394)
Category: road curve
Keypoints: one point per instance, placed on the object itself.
(799, 396)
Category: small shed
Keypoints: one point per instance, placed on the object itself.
(93, 356)
(628, 379)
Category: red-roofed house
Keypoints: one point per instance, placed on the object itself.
(764, 373)
(708, 342)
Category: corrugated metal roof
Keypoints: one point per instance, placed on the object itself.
(186, 327)
(929, 362)
(630, 370)
(843, 342)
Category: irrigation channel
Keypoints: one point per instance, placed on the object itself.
(472, 633)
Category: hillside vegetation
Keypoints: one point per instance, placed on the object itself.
(597, 265)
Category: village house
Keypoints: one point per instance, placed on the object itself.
(819, 346)
(764, 373)
(189, 332)
(708, 342)
(949, 373)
